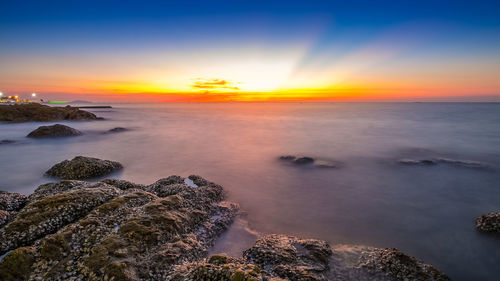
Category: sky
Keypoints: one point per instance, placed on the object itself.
(204, 51)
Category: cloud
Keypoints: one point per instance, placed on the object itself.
(213, 84)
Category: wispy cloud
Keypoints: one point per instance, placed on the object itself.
(213, 84)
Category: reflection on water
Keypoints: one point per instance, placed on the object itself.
(425, 210)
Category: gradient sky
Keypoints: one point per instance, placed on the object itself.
(139, 51)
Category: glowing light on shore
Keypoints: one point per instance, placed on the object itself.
(33, 95)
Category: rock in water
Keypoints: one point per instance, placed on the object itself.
(82, 167)
(303, 160)
(54, 131)
(117, 130)
(42, 113)
(489, 222)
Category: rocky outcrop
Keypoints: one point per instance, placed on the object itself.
(306, 161)
(489, 222)
(99, 231)
(54, 131)
(282, 257)
(82, 167)
(118, 230)
(42, 113)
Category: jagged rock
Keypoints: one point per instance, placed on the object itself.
(128, 234)
(12, 201)
(489, 222)
(54, 131)
(82, 167)
(42, 113)
(7, 141)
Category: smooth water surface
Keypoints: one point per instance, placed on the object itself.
(371, 199)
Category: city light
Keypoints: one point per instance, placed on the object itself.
(33, 95)
(1, 94)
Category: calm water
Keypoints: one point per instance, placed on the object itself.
(426, 211)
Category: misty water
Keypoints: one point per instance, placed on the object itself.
(428, 211)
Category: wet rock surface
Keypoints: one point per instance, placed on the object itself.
(42, 113)
(445, 161)
(54, 131)
(117, 130)
(306, 161)
(112, 230)
(489, 222)
(82, 167)
(118, 230)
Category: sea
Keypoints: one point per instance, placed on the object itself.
(411, 176)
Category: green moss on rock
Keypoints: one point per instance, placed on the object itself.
(17, 264)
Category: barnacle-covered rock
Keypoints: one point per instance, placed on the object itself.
(41, 217)
(82, 167)
(54, 131)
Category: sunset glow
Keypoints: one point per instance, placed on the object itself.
(255, 55)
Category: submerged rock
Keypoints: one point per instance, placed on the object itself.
(54, 131)
(117, 130)
(7, 141)
(447, 161)
(82, 167)
(42, 113)
(489, 222)
(308, 161)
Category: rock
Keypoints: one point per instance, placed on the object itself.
(17, 264)
(123, 184)
(118, 230)
(41, 217)
(304, 160)
(447, 161)
(12, 201)
(354, 262)
(42, 113)
(82, 167)
(309, 161)
(489, 222)
(54, 131)
(7, 141)
(417, 162)
(117, 130)
(291, 258)
(132, 235)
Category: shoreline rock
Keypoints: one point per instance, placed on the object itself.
(42, 113)
(118, 230)
(82, 167)
(54, 131)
